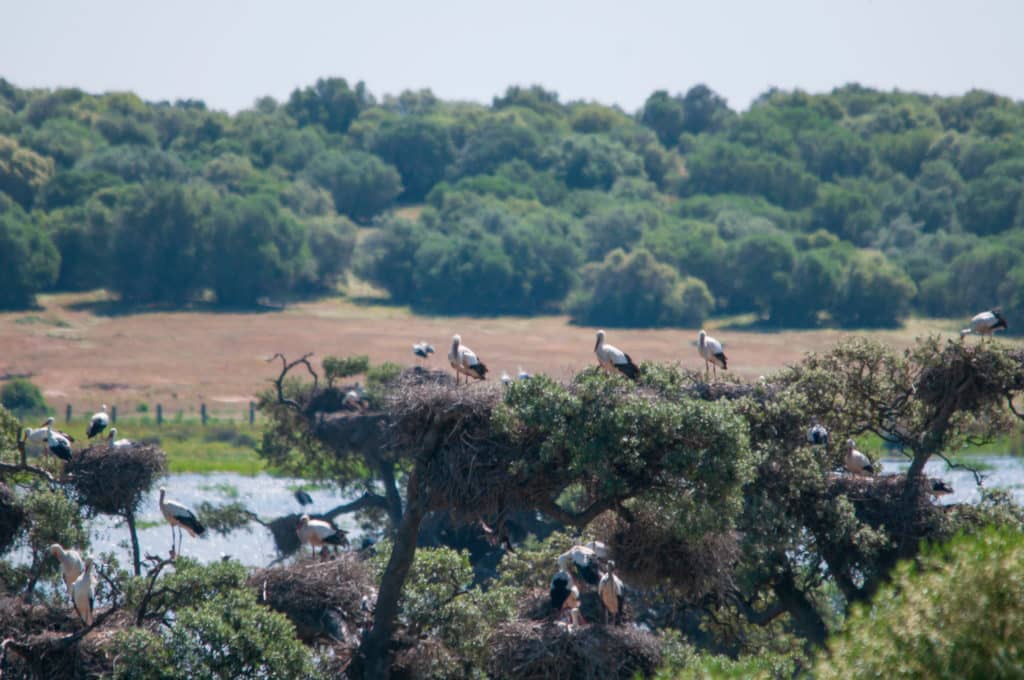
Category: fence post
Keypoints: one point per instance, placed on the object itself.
(113, 415)
(159, 414)
(67, 413)
(252, 413)
(202, 412)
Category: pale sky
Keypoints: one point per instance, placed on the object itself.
(616, 52)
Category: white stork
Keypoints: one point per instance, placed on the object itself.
(855, 461)
(98, 422)
(561, 585)
(610, 590)
(319, 534)
(937, 487)
(612, 358)
(464, 361)
(41, 434)
(81, 593)
(584, 559)
(116, 443)
(523, 375)
(71, 564)
(177, 515)
(711, 351)
(58, 444)
(423, 350)
(817, 434)
(985, 324)
(506, 379)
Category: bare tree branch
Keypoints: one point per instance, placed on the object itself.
(367, 500)
(285, 368)
(978, 477)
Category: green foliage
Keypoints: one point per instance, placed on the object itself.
(336, 368)
(28, 258)
(361, 184)
(21, 397)
(219, 631)
(330, 103)
(636, 290)
(54, 518)
(875, 293)
(23, 172)
(953, 613)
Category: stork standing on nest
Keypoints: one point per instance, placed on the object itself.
(937, 487)
(319, 534)
(58, 444)
(98, 422)
(855, 461)
(612, 359)
(71, 564)
(610, 589)
(177, 515)
(985, 324)
(116, 443)
(583, 559)
(40, 434)
(712, 352)
(465, 361)
(81, 593)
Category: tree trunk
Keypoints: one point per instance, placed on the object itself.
(136, 561)
(387, 475)
(374, 657)
(806, 619)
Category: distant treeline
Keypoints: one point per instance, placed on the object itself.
(853, 208)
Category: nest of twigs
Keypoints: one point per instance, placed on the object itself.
(323, 599)
(536, 605)
(879, 501)
(528, 651)
(12, 518)
(649, 553)
(113, 480)
(973, 375)
(40, 645)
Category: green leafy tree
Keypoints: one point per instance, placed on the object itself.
(420, 148)
(763, 281)
(665, 115)
(160, 237)
(637, 290)
(23, 172)
(953, 612)
(361, 184)
(330, 103)
(21, 397)
(28, 258)
(874, 293)
(593, 162)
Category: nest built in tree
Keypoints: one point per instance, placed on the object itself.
(548, 651)
(113, 480)
(323, 599)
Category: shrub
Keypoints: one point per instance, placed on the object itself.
(23, 398)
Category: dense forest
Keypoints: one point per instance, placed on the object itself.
(853, 208)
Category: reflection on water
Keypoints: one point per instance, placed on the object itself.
(267, 496)
(999, 472)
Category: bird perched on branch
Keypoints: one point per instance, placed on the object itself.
(855, 461)
(610, 589)
(71, 564)
(985, 324)
(319, 534)
(177, 515)
(465, 361)
(711, 351)
(98, 422)
(612, 359)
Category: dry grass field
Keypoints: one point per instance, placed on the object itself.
(80, 351)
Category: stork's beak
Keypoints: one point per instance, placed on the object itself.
(597, 343)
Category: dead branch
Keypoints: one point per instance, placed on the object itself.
(978, 477)
(285, 368)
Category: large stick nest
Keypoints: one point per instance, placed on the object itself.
(529, 651)
(12, 518)
(650, 553)
(974, 376)
(113, 480)
(323, 599)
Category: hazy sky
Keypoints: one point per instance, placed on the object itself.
(230, 53)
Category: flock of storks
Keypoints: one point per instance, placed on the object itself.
(586, 563)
